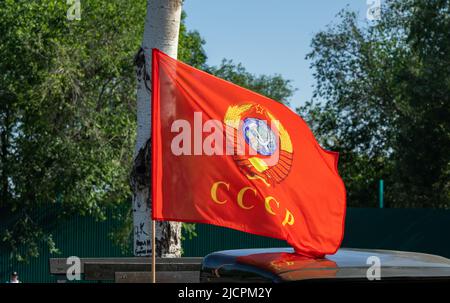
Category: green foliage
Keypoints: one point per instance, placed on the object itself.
(67, 114)
(67, 111)
(273, 86)
(190, 46)
(382, 100)
(189, 231)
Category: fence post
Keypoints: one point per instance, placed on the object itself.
(381, 193)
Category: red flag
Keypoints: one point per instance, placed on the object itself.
(227, 156)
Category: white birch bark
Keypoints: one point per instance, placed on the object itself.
(161, 30)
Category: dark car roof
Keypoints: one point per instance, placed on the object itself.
(281, 264)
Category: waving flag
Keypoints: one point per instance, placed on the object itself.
(227, 156)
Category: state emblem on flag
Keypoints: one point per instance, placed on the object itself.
(262, 147)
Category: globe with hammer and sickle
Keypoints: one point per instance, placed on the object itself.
(266, 136)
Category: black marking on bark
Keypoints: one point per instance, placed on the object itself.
(141, 173)
(141, 70)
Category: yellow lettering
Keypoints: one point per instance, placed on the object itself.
(240, 197)
(288, 219)
(214, 191)
(267, 204)
(271, 204)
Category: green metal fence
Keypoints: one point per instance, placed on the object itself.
(422, 230)
(419, 230)
(78, 236)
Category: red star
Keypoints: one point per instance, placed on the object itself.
(259, 109)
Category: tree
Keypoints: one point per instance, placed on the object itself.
(382, 99)
(161, 31)
(68, 115)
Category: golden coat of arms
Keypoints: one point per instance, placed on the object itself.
(262, 147)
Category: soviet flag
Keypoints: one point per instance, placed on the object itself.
(224, 155)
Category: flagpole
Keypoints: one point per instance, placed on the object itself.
(153, 252)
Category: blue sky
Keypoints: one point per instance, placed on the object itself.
(266, 36)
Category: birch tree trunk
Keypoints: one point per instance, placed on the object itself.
(161, 30)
